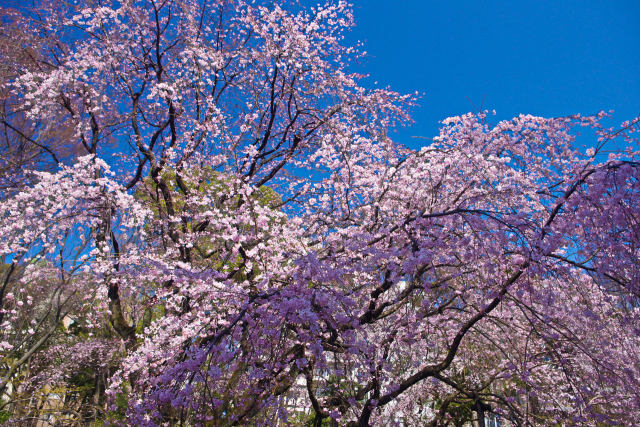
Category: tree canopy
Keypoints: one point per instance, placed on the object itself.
(208, 195)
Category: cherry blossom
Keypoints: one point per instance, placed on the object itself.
(238, 241)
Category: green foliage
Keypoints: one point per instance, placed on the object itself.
(207, 251)
(121, 403)
(150, 315)
(460, 411)
(301, 419)
(200, 181)
(459, 408)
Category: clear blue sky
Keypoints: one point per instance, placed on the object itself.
(540, 57)
(543, 57)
